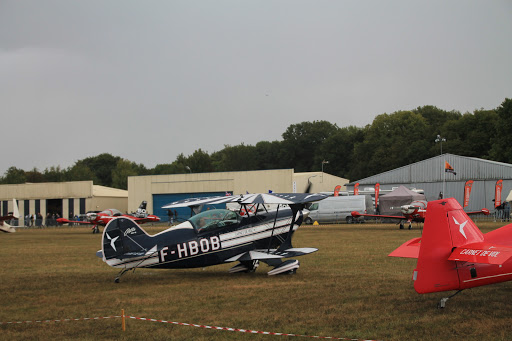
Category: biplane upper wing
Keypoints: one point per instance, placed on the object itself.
(265, 198)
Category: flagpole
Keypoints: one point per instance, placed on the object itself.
(444, 183)
(442, 139)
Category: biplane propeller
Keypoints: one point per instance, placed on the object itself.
(214, 237)
(454, 255)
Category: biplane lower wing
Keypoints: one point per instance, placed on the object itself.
(271, 254)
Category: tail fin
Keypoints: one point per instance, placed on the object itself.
(123, 238)
(446, 227)
(15, 211)
(141, 211)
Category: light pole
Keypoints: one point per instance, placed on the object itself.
(323, 162)
(441, 140)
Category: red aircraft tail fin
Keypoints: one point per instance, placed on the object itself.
(446, 227)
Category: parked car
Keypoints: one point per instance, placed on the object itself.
(338, 209)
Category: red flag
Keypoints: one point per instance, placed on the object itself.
(467, 192)
(377, 190)
(356, 188)
(497, 193)
(337, 190)
(448, 168)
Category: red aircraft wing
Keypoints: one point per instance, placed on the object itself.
(484, 211)
(148, 219)
(409, 249)
(66, 221)
(356, 214)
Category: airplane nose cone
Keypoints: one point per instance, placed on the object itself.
(305, 213)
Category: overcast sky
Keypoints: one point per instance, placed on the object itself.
(147, 80)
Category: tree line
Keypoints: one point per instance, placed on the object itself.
(390, 141)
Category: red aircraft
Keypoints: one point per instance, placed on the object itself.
(454, 255)
(104, 217)
(414, 212)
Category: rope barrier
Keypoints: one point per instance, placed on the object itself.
(123, 316)
(243, 330)
(62, 320)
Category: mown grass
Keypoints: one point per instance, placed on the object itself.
(349, 288)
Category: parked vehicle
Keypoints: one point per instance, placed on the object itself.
(338, 209)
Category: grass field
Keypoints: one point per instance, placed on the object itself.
(349, 288)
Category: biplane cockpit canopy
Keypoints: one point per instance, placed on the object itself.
(213, 219)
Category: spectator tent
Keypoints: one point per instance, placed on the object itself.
(390, 203)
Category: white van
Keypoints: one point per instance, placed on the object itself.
(338, 209)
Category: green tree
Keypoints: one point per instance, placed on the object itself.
(34, 176)
(14, 175)
(124, 169)
(391, 141)
(199, 162)
(502, 142)
(302, 142)
(471, 134)
(235, 158)
(102, 166)
(338, 149)
(269, 155)
(54, 174)
(80, 172)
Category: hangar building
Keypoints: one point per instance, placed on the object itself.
(159, 190)
(63, 198)
(430, 176)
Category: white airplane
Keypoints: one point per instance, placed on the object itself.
(4, 227)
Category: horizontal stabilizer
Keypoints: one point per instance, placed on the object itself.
(271, 254)
(481, 252)
(409, 249)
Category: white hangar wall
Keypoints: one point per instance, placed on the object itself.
(429, 175)
(61, 197)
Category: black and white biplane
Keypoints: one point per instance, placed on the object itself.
(214, 236)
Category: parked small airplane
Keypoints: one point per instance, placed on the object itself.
(214, 237)
(104, 217)
(4, 227)
(414, 212)
(454, 255)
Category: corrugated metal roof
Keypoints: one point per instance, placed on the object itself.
(432, 170)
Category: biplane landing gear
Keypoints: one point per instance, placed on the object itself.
(118, 278)
(245, 266)
(288, 267)
(442, 302)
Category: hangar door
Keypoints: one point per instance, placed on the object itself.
(160, 200)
